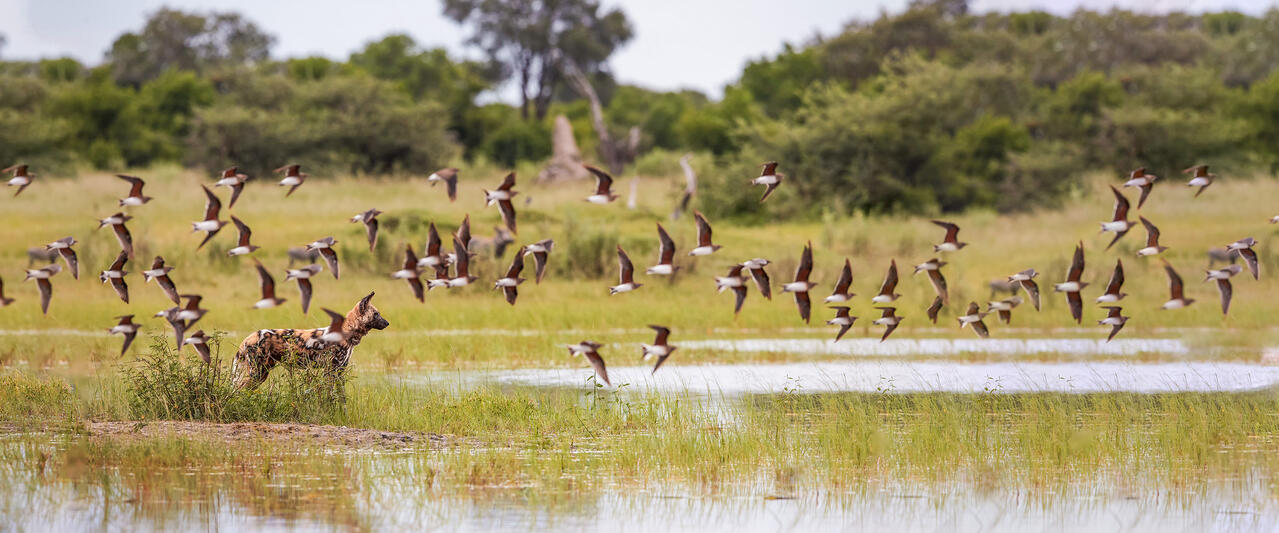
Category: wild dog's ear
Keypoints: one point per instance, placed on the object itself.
(364, 303)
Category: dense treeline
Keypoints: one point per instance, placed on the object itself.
(933, 109)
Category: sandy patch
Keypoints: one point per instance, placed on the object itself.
(253, 431)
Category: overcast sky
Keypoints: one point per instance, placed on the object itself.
(699, 44)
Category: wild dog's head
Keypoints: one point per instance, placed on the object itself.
(362, 318)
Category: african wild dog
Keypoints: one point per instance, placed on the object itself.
(264, 349)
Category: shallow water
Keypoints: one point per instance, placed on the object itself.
(926, 376)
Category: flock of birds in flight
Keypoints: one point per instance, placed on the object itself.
(452, 270)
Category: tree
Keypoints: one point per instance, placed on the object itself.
(178, 40)
(525, 39)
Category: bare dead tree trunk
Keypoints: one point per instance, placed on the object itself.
(615, 155)
(690, 187)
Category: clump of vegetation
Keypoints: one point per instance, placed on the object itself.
(168, 384)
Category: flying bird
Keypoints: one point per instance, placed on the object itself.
(590, 350)
(369, 218)
(1072, 285)
(541, 250)
(625, 274)
(325, 248)
(1026, 280)
(191, 312)
(63, 248)
(449, 177)
(125, 327)
(1244, 247)
(760, 276)
(511, 281)
(502, 197)
(293, 178)
(115, 276)
(1119, 224)
(244, 246)
(411, 273)
(603, 187)
(200, 342)
(736, 281)
(886, 294)
(210, 225)
(42, 275)
(659, 349)
(769, 177)
(1115, 319)
(933, 268)
(21, 179)
(333, 333)
(934, 309)
(463, 232)
(951, 242)
(1201, 178)
(974, 318)
(1152, 239)
(462, 276)
(665, 254)
(1176, 290)
(160, 273)
(841, 293)
(267, 284)
(1222, 277)
(135, 197)
(801, 285)
(1141, 180)
(431, 256)
(889, 319)
(121, 232)
(1113, 293)
(234, 180)
(1004, 308)
(842, 319)
(704, 245)
(303, 276)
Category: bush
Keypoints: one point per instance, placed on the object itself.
(168, 384)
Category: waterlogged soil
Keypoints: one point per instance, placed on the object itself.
(239, 432)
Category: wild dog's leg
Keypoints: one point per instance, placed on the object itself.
(254, 360)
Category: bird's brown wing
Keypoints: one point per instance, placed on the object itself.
(1121, 206)
(626, 270)
(416, 285)
(1250, 257)
(73, 262)
(1032, 290)
(305, 289)
(517, 265)
(370, 231)
(934, 309)
(804, 304)
(888, 330)
(603, 181)
(1116, 278)
(166, 285)
(244, 230)
(539, 261)
(769, 191)
(663, 333)
(432, 241)
(1076, 306)
(703, 229)
(666, 248)
(1077, 264)
(1175, 286)
(1152, 233)
(845, 278)
(121, 289)
(981, 329)
(511, 294)
(1145, 191)
(331, 257)
(508, 214)
(939, 284)
(46, 293)
(762, 282)
(1226, 290)
(135, 183)
(463, 260)
(890, 280)
(125, 238)
(265, 281)
(769, 168)
(507, 183)
(119, 262)
(212, 204)
(952, 230)
(597, 362)
(740, 293)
